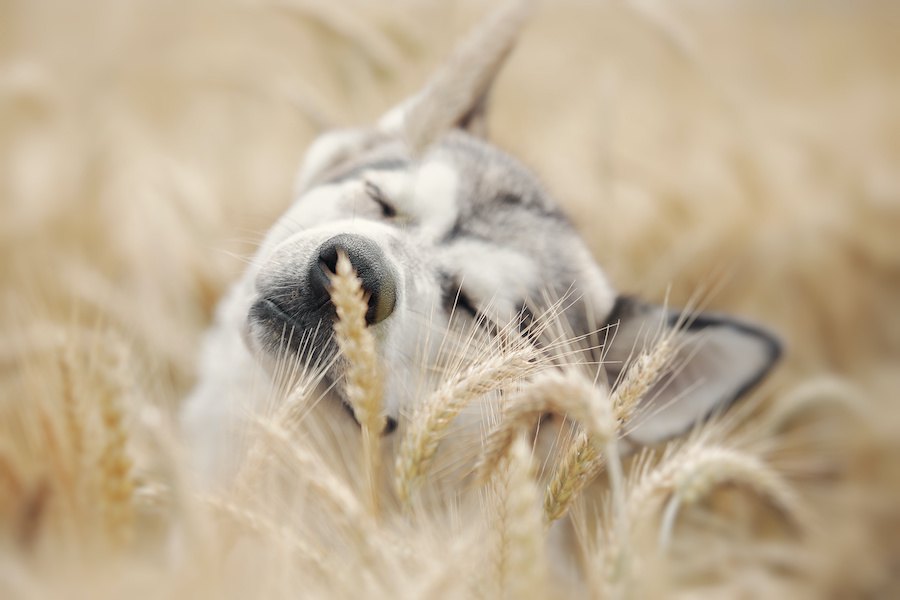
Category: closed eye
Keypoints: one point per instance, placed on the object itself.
(375, 193)
(456, 300)
(465, 303)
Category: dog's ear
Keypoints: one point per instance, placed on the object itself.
(715, 360)
(457, 95)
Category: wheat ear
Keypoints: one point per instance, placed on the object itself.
(563, 392)
(363, 380)
(708, 468)
(430, 422)
(577, 468)
(583, 462)
(115, 466)
(521, 565)
(642, 374)
(73, 412)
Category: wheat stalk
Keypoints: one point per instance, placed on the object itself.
(72, 410)
(363, 380)
(577, 468)
(521, 565)
(430, 422)
(268, 529)
(316, 475)
(9, 474)
(699, 473)
(563, 392)
(255, 458)
(583, 461)
(642, 374)
(115, 466)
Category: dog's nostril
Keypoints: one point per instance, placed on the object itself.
(390, 425)
(328, 256)
(371, 266)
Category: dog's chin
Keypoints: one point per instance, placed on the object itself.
(267, 335)
(274, 339)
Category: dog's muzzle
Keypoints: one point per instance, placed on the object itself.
(304, 303)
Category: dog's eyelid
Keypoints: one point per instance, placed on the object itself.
(374, 192)
(464, 302)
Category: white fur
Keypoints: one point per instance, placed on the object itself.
(434, 192)
(497, 285)
(324, 150)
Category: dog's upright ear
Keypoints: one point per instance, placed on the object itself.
(456, 96)
(716, 359)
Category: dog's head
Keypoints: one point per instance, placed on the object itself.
(444, 228)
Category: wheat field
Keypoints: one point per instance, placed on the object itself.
(748, 152)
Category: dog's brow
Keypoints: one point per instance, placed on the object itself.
(384, 164)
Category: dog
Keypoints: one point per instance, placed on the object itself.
(444, 229)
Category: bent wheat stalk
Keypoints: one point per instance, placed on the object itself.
(563, 392)
(584, 461)
(696, 476)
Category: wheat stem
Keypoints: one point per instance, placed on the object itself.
(563, 392)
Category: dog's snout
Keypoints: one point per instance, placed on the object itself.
(372, 267)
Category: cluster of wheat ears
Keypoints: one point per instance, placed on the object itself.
(299, 518)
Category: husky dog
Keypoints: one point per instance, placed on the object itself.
(436, 220)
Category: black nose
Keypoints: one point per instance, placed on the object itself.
(372, 268)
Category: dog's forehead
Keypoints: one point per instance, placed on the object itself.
(481, 181)
(463, 202)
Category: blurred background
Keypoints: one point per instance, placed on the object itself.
(748, 151)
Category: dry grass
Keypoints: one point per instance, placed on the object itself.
(145, 149)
